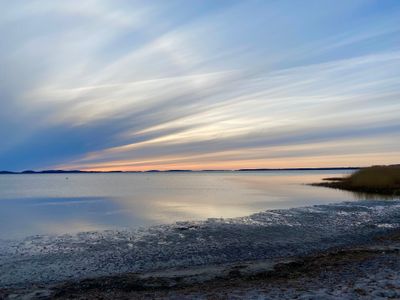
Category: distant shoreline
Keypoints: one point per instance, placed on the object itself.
(174, 171)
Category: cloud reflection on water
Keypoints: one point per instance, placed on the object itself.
(116, 201)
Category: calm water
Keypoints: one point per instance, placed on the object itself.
(53, 204)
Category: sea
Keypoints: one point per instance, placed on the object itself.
(54, 204)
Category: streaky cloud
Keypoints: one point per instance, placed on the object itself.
(129, 84)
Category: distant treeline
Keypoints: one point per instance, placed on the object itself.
(172, 171)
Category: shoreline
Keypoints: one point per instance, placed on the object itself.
(364, 191)
(32, 172)
(268, 235)
(218, 255)
(360, 271)
(378, 181)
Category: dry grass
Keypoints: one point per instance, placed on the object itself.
(379, 177)
(384, 180)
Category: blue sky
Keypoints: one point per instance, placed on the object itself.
(136, 85)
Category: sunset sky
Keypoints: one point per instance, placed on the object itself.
(138, 85)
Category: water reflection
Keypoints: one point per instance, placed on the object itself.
(370, 196)
(49, 204)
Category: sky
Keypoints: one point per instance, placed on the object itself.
(140, 85)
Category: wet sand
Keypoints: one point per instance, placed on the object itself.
(366, 272)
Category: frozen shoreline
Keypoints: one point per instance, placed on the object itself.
(267, 236)
(367, 272)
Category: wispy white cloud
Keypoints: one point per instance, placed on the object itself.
(128, 84)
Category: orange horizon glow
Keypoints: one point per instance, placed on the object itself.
(312, 162)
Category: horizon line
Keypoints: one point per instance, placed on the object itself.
(60, 171)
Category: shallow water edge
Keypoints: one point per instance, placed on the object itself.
(269, 236)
